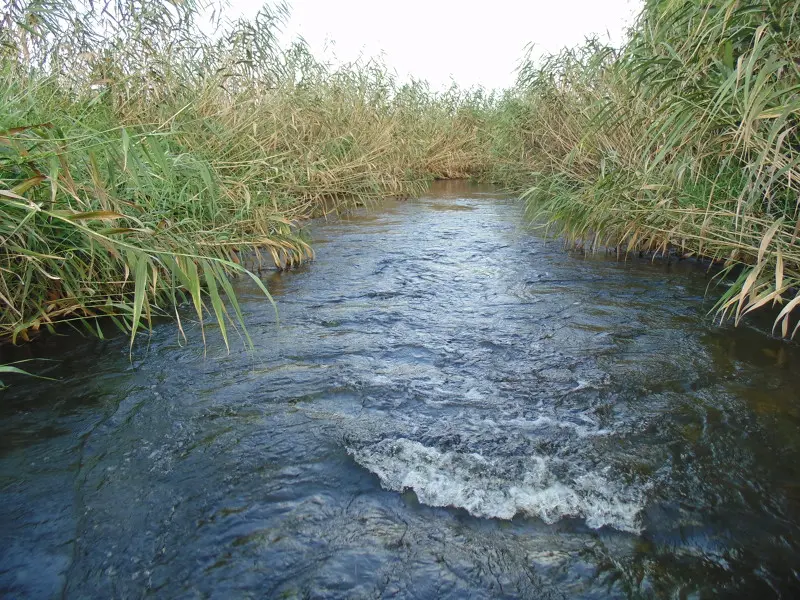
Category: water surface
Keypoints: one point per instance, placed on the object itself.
(450, 407)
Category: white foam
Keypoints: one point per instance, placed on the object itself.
(500, 487)
(588, 429)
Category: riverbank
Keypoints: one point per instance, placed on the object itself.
(136, 173)
(685, 140)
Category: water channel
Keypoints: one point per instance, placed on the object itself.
(450, 406)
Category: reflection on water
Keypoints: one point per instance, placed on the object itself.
(449, 407)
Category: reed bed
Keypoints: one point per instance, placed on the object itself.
(686, 140)
(140, 157)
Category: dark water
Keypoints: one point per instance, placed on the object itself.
(451, 407)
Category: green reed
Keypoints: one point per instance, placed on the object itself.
(686, 140)
(140, 157)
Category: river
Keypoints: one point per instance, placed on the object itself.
(449, 406)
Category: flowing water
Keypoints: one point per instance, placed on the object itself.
(451, 406)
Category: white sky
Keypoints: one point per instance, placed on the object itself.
(473, 43)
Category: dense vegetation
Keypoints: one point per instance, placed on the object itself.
(141, 157)
(685, 140)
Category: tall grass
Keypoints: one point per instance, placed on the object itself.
(685, 140)
(140, 156)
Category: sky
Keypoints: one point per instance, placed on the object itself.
(469, 42)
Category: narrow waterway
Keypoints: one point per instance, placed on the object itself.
(450, 406)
